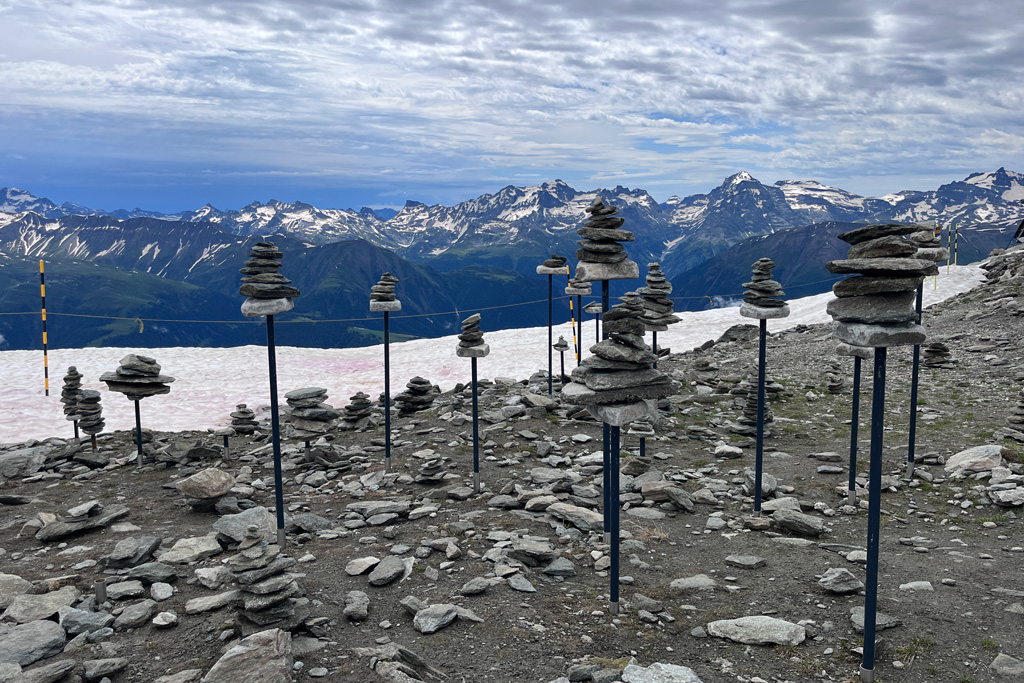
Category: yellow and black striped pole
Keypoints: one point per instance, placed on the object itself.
(42, 294)
(956, 241)
(572, 320)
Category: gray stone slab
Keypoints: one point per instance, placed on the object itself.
(258, 308)
(593, 272)
(763, 313)
(480, 351)
(864, 334)
(385, 306)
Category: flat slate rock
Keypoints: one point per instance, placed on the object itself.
(28, 643)
(758, 630)
(659, 673)
(883, 266)
(873, 232)
(434, 618)
(265, 657)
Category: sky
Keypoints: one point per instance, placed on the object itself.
(209, 382)
(171, 104)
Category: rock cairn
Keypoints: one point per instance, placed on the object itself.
(601, 255)
(137, 377)
(657, 306)
(929, 245)
(834, 380)
(471, 340)
(357, 412)
(269, 596)
(419, 395)
(243, 420)
(310, 416)
(71, 394)
(876, 308)
(937, 355)
(268, 292)
(746, 423)
(382, 295)
(643, 429)
(1016, 420)
(614, 382)
(552, 266)
(431, 472)
(762, 296)
(561, 345)
(579, 287)
(90, 412)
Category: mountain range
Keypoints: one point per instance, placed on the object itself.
(479, 253)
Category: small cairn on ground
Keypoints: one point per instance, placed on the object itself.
(762, 296)
(268, 292)
(357, 412)
(90, 412)
(601, 255)
(877, 307)
(419, 395)
(243, 420)
(471, 339)
(834, 380)
(657, 306)
(746, 423)
(382, 295)
(71, 394)
(310, 416)
(937, 355)
(1016, 420)
(431, 472)
(269, 596)
(137, 377)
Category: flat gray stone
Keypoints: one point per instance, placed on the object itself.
(385, 306)
(582, 518)
(361, 565)
(865, 334)
(840, 580)
(95, 669)
(387, 570)
(699, 582)
(748, 310)
(659, 673)
(135, 615)
(520, 583)
(208, 603)
(11, 586)
(258, 308)
(1005, 665)
(75, 621)
(28, 643)
(475, 586)
(799, 523)
(882, 621)
(27, 607)
(746, 561)
(187, 550)
(265, 657)
(976, 459)
(208, 483)
(357, 605)
(434, 618)
(758, 630)
(235, 526)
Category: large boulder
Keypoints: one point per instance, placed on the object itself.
(976, 459)
(265, 657)
(28, 643)
(208, 483)
(22, 462)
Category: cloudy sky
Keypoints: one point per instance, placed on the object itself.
(170, 104)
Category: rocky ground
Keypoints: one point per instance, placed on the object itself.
(411, 576)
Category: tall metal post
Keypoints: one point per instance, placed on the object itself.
(606, 439)
(138, 433)
(561, 363)
(275, 429)
(759, 455)
(654, 346)
(551, 391)
(476, 434)
(643, 447)
(227, 447)
(387, 393)
(867, 668)
(613, 605)
(915, 373)
(852, 497)
(76, 429)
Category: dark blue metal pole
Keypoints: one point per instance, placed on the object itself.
(550, 323)
(275, 428)
(138, 433)
(852, 500)
(913, 391)
(476, 435)
(759, 455)
(643, 447)
(387, 393)
(614, 592)
(606, 440)
(874, 515)
(654, 346)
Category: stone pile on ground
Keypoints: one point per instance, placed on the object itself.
(877, 307)
(937, 355)
(267, 291)
(834, 380)
(1016, 420)
(137, 377)
(310, 417)
(431, 472)
(746, 423)
(419, 395)
(243, 420)
(71, 393)
(601, 255)
(90, 412)
(762, 296)
(382, 295)
(269, 596)
(471, 339)
(657, 306)
(357, 412)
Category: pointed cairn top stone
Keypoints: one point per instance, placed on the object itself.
(614, 383)
(657, 306)
(137, 377)
(561, 345)
(601, 255)
(877, 308)
(762, 296)
(471, 340)
(71, 393)
(268, 292)
(382, 295)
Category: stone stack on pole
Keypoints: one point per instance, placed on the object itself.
(70, 394)
(876, 308)
(615, 385)
(551, 267)
(311, 417)
(90, 414)
(762, 300)
(269, 293)
(657, 306)
(137, 377)
(561, 346)
(579, 289)
(472, 346)
(383, 300)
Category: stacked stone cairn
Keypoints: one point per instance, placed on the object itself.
(471, 339)
(929, 245)
(71, 394)
(746, 423)
(579, 287)
(877, 307)
(834, 381)
(311, 417)
(269, 596)
(657, 306)
(937, 355)
(357, 412)
(268, 292)
(601, 255)
(137, 377)
(552, 266)
(382, 295)
(90, 412)
(561, 345)
(762, 296)
(431, 472)
(419, 395)
(614, 383)
(243, 420)
(1016, 420)
(642, 429)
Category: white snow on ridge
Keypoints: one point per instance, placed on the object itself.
(210, 381)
